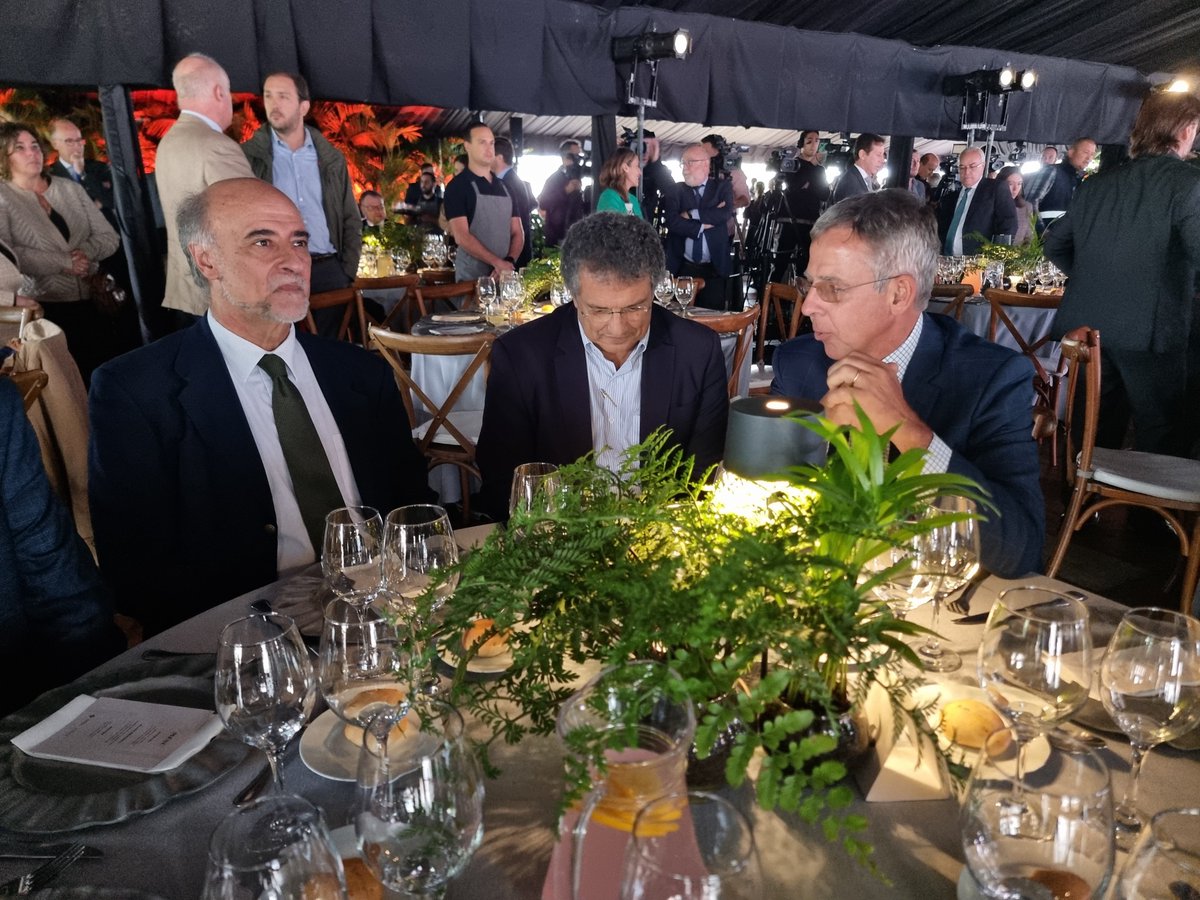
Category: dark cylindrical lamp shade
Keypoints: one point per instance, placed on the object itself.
(762, 441)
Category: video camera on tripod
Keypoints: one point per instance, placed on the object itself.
(728, 158)
(784, 161)
(580, 165)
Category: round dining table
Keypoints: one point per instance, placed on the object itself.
(917, 845)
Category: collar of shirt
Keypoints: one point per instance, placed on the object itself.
(903, 354)
(203, 118)
(595, 355)
(866, 176)
(503, 172)
(242, 357)
(280, 144)
(614, 401)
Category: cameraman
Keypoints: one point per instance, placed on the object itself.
(805, 190)
(715, 145)
(561, 202)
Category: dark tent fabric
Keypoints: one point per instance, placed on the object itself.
(552, 57)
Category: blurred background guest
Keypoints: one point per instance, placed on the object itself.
(59, 236)
(12, 281)
(618, 176)
(1011, 176)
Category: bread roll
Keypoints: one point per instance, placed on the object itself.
(360, 883)
(387, 696)
(493, 646)
(969, 722)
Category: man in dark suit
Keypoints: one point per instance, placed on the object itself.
(963, 399)
(698, 212)
(603, 372)
(216, 452)
(91, 174)
(983, 206)
(1131, 244)
(861, 178)
(522, 195)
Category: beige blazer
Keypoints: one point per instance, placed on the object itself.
(41, 248)
(10, 279)
(190, 158)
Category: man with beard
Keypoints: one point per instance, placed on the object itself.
(217, 452)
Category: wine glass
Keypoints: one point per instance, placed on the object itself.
(419, 816)
(274, 847)
(951, 553)
(430, 249)
(1150, 685)
(535, 489)
(911, 585)
(264, 686)
(512, 292)
(361, 665)
(1056, 840)
(352, 557)
(419, 543)
(685, 288)
(485, 287)
(1165, 862)
(664, 287)
(691, 846)
(559, 295)
(1035, 659)
(400, 260)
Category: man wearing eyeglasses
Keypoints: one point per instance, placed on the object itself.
(983, 207)
(698, 214)
(964, 400)
(603, 372)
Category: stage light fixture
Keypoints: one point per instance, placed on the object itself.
(1027, 79)
(652, 45)
(1006, 77)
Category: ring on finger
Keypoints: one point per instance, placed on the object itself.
(854, 380)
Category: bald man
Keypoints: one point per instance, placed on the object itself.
(982, 207)
(194, 154)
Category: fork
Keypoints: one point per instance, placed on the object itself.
(962, 605)
(43, 875)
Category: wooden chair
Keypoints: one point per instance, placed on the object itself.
(351, 299)
(741, 324)
(774, 296)
(1046, 381)
(957, 294)
(428, 295)
(390, 283)
(450, 435)
(1169, 485)
(30, 383)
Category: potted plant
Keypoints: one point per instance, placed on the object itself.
(654, 561)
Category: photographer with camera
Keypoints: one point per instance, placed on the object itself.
(779, 243)
(727, 164)
(698, 212)
(561, 203)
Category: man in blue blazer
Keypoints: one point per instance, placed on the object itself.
(603, 372)
(195, 496)
(697, 216)
(987, 208)
(966, 400)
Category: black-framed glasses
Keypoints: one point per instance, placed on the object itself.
(832, 293)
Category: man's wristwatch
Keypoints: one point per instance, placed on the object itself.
(510, 260)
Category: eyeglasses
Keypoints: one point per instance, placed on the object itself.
(971, 168)
(693, 162)
(607, 315)
(832, 294)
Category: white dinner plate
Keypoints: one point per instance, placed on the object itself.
(1036, 753)
(325, 749)
(458, 318)
(479, 665)
(449, 330)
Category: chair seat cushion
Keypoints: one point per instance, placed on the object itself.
(468, 421)
(1166, 477)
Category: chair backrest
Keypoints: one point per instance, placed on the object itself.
(774, 296)
(741, 324)
(387, 282)
(998, 300)
(957, 294)
(30, 383)
(1081, 351)
(394, 347)
(428, 293)
(349, 297)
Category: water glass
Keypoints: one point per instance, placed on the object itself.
(664, 288)
(685, 289)
(485, 288)
(951, 554)
(536, 489)
(352, 556)
(362, 667)
(1165, 862)
(419, 544)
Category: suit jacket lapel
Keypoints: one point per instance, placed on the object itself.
(925, 369)
(571, 382)
(349, 400)
(658, 373)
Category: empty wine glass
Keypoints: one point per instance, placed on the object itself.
(1150, 685)
(362, 668)
(352, 558)
(1046, 834)
(419, 815)
(1165, 862)
(951, 554)
(419, 543)
(264, 687)
(691, 846)
(512, 292)
(400, 260)
(685, 288)
(430, 249)
(911, 585)
(535, 489)
(559, 295)
(664, 287)
(485, 288)
(274, 848)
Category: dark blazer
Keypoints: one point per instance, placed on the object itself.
(537, 407)
(55, 618)
(180, 501)
(851, 184)
(991, 212)
(976, 396)
(522, 198)
(96, 180)
(683, 199)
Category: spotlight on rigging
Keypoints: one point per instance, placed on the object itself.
(652, 45)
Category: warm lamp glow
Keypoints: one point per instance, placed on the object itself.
(1179, 86)
(780, 405)
(754, 500)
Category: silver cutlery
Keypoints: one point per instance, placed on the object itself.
(962, 605)
(43, 875)
(46, 851)
(254, 789)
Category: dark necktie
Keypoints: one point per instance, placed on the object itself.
(316, 489)
(874, 183)
(699, 196)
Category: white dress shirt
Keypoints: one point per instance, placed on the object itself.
(938, 457)
(253, 385)
(203, 118)
(615, 395)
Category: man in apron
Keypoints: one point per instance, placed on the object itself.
(482, 216)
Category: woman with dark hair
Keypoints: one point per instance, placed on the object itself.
(1011, 176)
(618, 177)
(59, 235)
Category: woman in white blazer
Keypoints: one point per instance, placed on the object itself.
(59, 236)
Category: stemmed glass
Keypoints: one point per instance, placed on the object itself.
(1165, 862)
(911, 585)
(430, 249)
(485, 287)
(664, 288)
(559, 295)
(691, 846)
(512, 292)
(419, 543)
(264, 687)
(275, 847)
(685, 288)
(362, 665)
(951, 554)
(419, 815)
(400, 260)
(352, 558)
(1035, 659)
(535, 488)
(1150, 685)
(1056, 840)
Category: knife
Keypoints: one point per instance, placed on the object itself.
(980, 618)
(46, 851)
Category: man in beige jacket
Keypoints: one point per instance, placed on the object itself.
(194, 154)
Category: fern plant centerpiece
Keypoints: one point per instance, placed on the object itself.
(651, 562)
